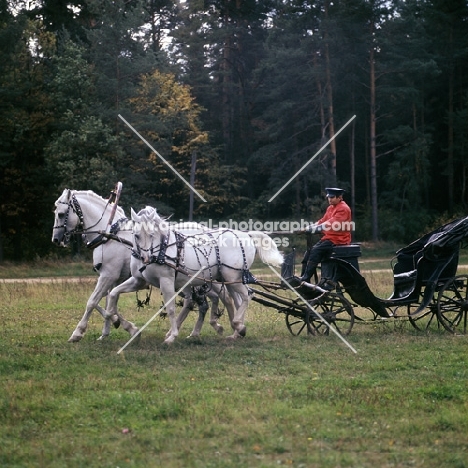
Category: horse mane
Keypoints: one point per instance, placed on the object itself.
(151, 216)
(90, 194)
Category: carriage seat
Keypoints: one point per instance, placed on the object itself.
(346, 251)
(349, 253)
(405, 276)
(403, 284)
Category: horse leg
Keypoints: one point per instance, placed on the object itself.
(168, 291)
(216, 293)
(202, 309)
(107, 323)
(186, 308)
(131, 285)
(114, 320)
(102, 286)
(214, 312)
(240, 294)
(231, 305)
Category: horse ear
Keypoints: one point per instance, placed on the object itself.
(134, 215)
(149, 210)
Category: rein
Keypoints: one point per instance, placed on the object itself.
(185, 272)
(105, 236)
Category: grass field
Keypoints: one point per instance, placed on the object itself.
(270, 399)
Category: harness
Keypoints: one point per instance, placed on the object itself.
(107, 236)
(247, 277)
(178, 263)
(160, 259)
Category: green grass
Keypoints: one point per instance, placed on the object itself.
(47, 268)
(268, 400)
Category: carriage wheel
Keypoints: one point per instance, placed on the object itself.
(336, 310)
(298, 322)
(426, 321)
(452, 304)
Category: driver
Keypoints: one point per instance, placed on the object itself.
(335, 227)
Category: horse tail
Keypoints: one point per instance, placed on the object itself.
(266, 248)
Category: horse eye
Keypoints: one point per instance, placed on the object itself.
(61, 215)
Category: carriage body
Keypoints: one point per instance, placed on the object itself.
(425, 285)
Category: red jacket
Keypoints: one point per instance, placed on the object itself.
(337, 224)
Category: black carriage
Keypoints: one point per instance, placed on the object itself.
(426, 288)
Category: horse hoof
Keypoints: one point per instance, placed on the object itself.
(220, 331)
(102, 338)
(237, 334)
(137, 337)
(115, 319)
(74, 339)
(193, 337)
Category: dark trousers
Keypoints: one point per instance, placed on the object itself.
(316, 254)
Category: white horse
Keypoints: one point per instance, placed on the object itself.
(226, 255)
(85, 212)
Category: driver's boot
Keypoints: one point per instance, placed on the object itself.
(308, 272)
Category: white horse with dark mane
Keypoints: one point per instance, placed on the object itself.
(86, 213)
(217, 259)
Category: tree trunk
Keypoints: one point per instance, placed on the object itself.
(226, 95)
(450, 175)
(373, 149)
(192, 183)
(331, 123)
(321, 110)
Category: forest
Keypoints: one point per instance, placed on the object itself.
(237, 96)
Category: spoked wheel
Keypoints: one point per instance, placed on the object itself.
(298, 322)
(425, 321)
(452, 304)
(336, 310)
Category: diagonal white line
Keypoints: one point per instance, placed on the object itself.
(161, 309)
(164, 160)
(313, 310)
(311, 159)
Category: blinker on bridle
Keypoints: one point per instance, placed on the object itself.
(75, 206)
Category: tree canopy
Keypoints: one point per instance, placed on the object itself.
(238, 96)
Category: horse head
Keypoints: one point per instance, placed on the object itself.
(148, 231)
(83, 212)
(67, 218)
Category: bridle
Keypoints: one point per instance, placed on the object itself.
(74, 205)
(161, 248)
